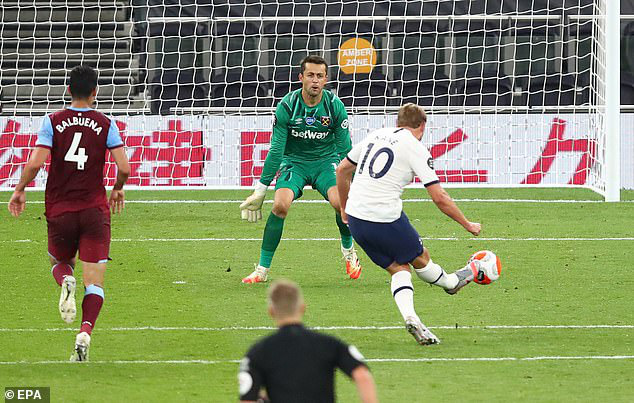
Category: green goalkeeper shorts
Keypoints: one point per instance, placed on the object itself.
(318, 174)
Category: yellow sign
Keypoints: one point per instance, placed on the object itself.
(356, 55)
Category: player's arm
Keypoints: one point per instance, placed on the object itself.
(421, 162)
(251, 208)
(115, 145)
(38, 157)
(117, 195)
(341, 130)
(344, 177)
(445, 203)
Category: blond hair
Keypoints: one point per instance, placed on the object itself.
(411, 115)
(285, 298)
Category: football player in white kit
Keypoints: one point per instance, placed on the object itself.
(384, 163)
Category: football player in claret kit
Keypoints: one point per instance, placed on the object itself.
(384, 163)
(76, 207)
(310, 137)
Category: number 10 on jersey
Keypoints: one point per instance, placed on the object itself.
(386, 167)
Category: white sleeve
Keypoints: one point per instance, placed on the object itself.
(422, 164)
(355, 153)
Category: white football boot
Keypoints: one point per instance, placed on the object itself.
(465, 276)
(259, 275)
(67, 306)
(420, 332)
(82, 345)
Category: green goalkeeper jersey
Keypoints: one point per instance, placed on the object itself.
(304, 134)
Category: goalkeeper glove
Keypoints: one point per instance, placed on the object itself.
(251, 208)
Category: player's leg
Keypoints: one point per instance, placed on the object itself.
(389, 246)
(274, 227)
(432, 273)
(403, 293)
(93, 276)
(63, 240)
(60, 269)
(94, 247)
(326, 184)
(288, 187)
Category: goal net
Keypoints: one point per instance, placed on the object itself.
(515, 91)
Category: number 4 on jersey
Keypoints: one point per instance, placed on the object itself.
(77, 154)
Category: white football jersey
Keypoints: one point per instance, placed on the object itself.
(386, 161)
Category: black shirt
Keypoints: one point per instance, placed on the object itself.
(296, 365)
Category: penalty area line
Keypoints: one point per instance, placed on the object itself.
(376, 360)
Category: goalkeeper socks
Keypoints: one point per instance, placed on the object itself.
(60, 271)
(435, 275)
(271, 238)
(346, 237)
(90, 307)
(403, 293)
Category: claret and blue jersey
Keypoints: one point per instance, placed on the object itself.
(78, 139)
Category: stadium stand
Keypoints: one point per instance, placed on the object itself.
(423, 86)
(483, 87)
(363, 89)
(285, 80)
(43, 40)
(238, 87)
(627, 88)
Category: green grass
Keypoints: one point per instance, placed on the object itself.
(544, 282)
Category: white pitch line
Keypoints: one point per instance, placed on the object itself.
(378, 360)
(538, 358)
(249, 328)
(206, 362)
(324, 201)
(337, 239)
(503, 239)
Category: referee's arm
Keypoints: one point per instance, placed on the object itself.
(365, 384)
(351, 362)
(249, 380)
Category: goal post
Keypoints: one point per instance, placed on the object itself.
(517, 96)
(612, 101)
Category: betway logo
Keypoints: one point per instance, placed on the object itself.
(309, 134)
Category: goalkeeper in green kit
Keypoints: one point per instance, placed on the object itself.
(310, 137)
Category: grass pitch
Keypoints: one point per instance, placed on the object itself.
(557, 326)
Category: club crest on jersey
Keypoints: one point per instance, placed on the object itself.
(310, 120)
(325, 120)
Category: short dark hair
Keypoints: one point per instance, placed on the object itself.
(83, 80)
(315, 60)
